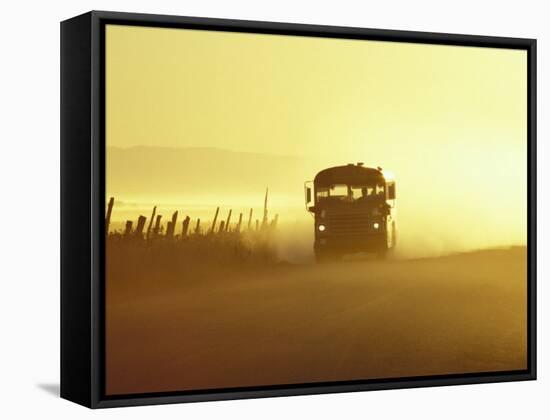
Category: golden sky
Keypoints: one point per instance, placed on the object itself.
(450, 122)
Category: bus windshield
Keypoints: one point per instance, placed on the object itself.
(350, 193)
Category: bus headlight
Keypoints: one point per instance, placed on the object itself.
(376, 225)
(321, 228)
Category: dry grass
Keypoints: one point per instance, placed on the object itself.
(135, 265)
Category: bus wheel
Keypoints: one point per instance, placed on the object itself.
(382, 254)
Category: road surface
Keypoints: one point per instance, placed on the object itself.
(300, 324)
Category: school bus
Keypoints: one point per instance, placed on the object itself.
(354, 208)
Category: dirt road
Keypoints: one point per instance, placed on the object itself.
(342, 321)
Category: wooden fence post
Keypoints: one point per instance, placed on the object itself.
(148, 234)
(128, 228)
(171, 226)
(108, 216)
(264, 220)
(215, 219)
(198, 227)
(274, 222)
(227, 222)
(185, 227)
(139, 227)
(156, 229)
(257, 225)
(250, 218)
(222, 227)
(238, 228)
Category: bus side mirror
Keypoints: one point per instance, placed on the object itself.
(391, 192)
(308, 195)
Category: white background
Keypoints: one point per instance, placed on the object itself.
(29, 169)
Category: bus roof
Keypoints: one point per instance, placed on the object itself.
(354, 174)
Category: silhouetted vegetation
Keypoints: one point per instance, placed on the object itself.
(147, 251)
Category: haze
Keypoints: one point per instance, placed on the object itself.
(196, 119)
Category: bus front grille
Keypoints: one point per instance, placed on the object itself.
(349, 224)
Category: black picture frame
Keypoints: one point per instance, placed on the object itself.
(83, 204)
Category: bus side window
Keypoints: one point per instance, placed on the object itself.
(391, 191)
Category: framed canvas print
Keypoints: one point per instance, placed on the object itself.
(254, 209)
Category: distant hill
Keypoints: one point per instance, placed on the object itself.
(146, 170)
